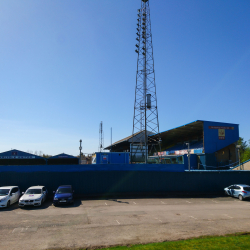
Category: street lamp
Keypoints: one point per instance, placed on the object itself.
(80, 148)
(160, 157)
(238, 147)
(188, 144)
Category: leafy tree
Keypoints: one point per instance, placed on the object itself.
(244, 150)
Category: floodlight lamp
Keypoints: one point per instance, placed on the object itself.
(137, 45)
(138, 29)
(143, 53)
(137, 51)
(137, 39)
(144, 48)
(138, 10)
(137, 34)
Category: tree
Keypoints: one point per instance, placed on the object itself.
(244, 150)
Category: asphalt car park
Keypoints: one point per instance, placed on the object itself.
(107, 222)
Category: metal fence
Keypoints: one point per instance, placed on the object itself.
(136, 183)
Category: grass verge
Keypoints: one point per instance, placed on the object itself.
(230, 242)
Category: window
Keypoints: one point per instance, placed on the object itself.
(64, 190)
(34, 191)
(246, 188)
(167, 161)
(4, 192)
(14, 190)
(180, 160)
(44, 189)
(237, 187)
(174, 161)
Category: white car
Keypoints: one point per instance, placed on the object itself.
(240, 191)
(9, 195)
(34, 196)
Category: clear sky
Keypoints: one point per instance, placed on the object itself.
(66, 65)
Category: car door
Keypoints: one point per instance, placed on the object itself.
(237, 190)
(13, 195)
(44, 193)
(231, 190)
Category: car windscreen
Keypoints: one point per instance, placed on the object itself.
(64, 190)
(4, 192)
(246, 188)
(34, 191)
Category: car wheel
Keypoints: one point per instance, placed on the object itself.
(8, 204)
(240, 197)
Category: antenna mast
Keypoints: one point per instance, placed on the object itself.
(101, 138)
(145, 121)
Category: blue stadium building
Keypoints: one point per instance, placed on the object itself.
(212, 145)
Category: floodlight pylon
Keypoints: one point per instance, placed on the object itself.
(145, 120)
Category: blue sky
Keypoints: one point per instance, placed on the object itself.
(66, 65)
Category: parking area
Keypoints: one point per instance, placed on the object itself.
(96, 223)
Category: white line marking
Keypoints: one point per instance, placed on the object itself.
(105, 203)
(188, 202)
(162, 202)
(193, 217)
(215, 201)
(134, 202)
(228, 216)
(118, 222)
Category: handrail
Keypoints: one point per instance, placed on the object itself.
(241, 164)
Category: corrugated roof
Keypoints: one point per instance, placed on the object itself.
(60, 156)
(128, 139)
(17, 154)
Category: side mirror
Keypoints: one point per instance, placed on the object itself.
(54, 192)
(44, 192)
(22, 192)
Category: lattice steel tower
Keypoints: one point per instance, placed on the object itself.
(101, 137)
(145, 120)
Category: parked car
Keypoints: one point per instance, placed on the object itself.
(240, 191)
(34, 196)
(63, 195)
(9, 195)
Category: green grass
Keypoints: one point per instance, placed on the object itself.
(230, 242)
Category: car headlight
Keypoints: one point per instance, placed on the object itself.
(55, 198)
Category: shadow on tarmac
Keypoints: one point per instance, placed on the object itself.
(118, 201)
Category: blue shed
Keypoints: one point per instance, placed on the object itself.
(111, 158)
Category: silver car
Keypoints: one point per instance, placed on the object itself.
(240, 191)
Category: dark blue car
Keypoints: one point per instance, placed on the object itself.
(63, 195)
